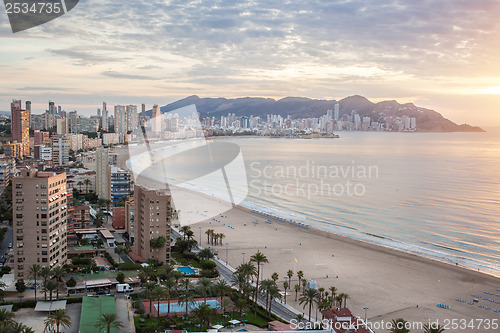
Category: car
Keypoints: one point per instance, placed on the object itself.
(101, 292)
(10, 245)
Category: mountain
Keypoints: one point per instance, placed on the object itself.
(300, 107)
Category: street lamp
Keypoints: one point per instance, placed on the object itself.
(200, 235)
(243, 253)
(227, 249)
(365, 313)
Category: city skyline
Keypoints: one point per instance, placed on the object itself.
(436, 55)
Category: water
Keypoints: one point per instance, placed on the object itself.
(176, 307)
(432, 194)
(186, 270)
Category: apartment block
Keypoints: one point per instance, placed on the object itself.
(60, 150)
(152, 219)
(39, 220)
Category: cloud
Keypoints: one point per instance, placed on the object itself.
(117, 75)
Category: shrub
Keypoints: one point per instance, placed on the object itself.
(110, 259)
(74, 300)
(129, 267)
(24, 304)
(71, 282)
(209, 273)
(120, 277)
(189, 255)
(5, 270)
(208, 264)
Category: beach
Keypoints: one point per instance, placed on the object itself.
(390, 283)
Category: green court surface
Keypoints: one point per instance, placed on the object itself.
(92, 308)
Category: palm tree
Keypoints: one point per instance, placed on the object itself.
(17, 328)
(333, 290)
(58, 272)
(148, 292)
(20, 287)
(184, 230)
(50, 286)
(275, 276)
(297, 289)
(170, 286)
(221, 288)
(107, 321)
(300, 275)
(158, 293)
(258, 258)
(309, 297)
(433, 328)
(399, 326)
(186, 297)
(157, 243)
(80, 183)
(34, 273)
(58, 318)
(87, 182)
(6, 316)
(304, 284)
(290, 275)
(274, 292)
(265, 289)
(338, 299)
(204, 312)
(45, 273)
(221, 237)
(204, 284)
(285, 286)
(205, 254)
(345, 297)
(209, 233)
(321, 290)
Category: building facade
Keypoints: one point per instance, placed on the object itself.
(152, 220)
(20, 127)
(103, 174)
(39, 220)
(60, 150)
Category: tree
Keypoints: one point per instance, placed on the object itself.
(80, 184)
(204, 284)
(290, 276)
(184, 230)
(34, 273)
(204, 312)
(265, 289)
(149, 294)
(433, 328)
(45, 274)
(399, 326)
(158, 294)
(205, 254)
(300, 275)
(6, 316)
(58, 318)
(209, 234)
(333, 290)
(120, 277)
(275, 276)
(221, 288)
(157, 243)
(309, 297)
(258, 258)
(285, 286)
(107, 321)
(50, 286)
(87, 182)
(170, 286)
(20, 287)
(186, 297)
(297, 289)
(58, 272)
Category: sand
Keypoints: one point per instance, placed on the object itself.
(388, 282)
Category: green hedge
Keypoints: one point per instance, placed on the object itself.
(129, 267)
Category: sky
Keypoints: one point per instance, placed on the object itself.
(439, 54)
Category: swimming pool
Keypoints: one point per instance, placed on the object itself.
(176, 307)
(187, 270)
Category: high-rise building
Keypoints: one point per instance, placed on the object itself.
(120, 183)
(131, 117)
(103, 174)
(41, 138)
(39, 221)
(28, 107)
(6, 171)
(120, 119)
(129, 218)
(20, 126)
(104, 117)
(52, 108)
(62, 126)
(60, 150)
(156, 119)
(152, 224)
(336, 112)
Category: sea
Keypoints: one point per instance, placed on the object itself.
(436, 195)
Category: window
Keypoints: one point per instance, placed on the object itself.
(19, 185)
(44, 259)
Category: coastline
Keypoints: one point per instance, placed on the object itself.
(389, 281)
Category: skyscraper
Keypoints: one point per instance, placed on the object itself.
(152, 224)
(120, 119)
(60, 150)
(39, 221)
(28, 107)
(103, 174)
(336, 112)
(104, 117)
(52, 108)
(20, 126)
(156, 119)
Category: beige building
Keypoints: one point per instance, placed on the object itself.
(20, 126)
(103, 174)
(60, 150)
(39, 221)
(152, 219)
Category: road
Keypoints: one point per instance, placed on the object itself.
(4, 247)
